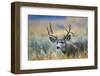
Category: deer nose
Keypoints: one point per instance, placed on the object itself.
(58, 47)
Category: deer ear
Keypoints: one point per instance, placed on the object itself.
(52, 38)
(68, 37)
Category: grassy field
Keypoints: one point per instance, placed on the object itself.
(40, 48)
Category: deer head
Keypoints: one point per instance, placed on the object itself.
(60, 43)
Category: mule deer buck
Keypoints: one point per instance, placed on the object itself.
(64, 44)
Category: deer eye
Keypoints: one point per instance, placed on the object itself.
(62, 42)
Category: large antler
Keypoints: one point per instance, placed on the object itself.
(50, 33)
(68, 36)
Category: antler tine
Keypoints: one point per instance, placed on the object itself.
(51, 28)
(48, 31)
(65, 28)
(69, 27)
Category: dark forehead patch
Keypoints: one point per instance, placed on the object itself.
(60, 40)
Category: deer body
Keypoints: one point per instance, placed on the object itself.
(67, 47)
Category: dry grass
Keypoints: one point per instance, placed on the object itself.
(58, 55)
